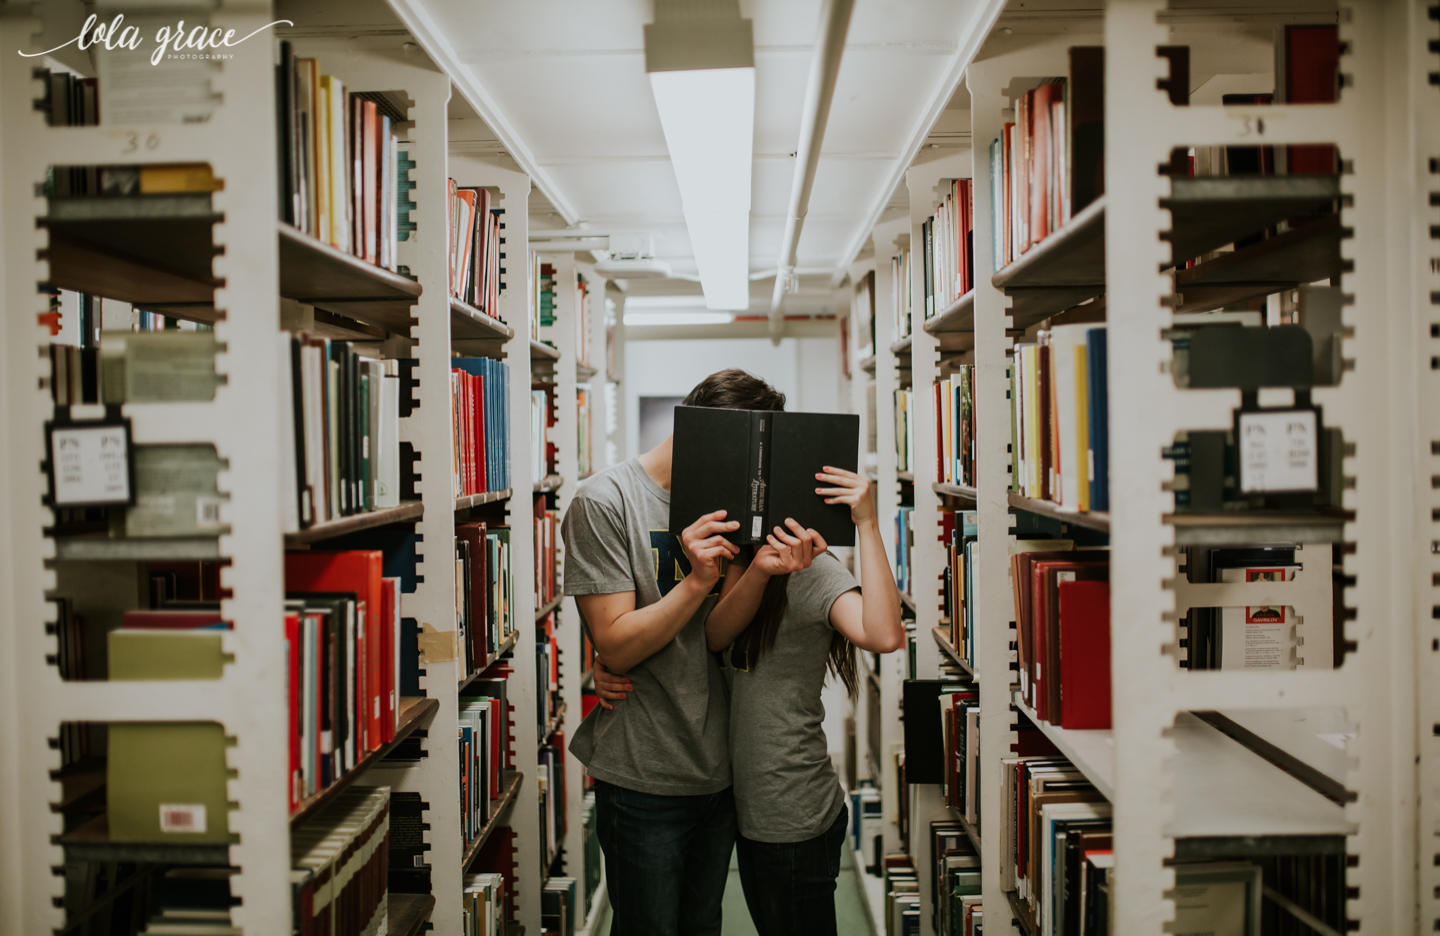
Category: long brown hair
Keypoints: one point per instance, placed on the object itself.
(737, 389)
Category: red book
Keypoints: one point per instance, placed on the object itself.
(357, 571)
(292, 663)
(474, 534)
(1040, 162)
(357, 175)
(477, 432)
(1084, 654)
(1312, 68)
(1044, 614)
(1024, 140)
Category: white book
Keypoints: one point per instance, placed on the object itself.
(1258, 637)
(312, 369)
(1045, 890)
(1064, 339)
(289, 476)
(387, 493)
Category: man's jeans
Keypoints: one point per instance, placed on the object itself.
(667, 859)
(790, 886)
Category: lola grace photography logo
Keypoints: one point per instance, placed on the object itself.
(172, 41)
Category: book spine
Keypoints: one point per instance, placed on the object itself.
(753, 526)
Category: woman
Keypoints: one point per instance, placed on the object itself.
(784, 617)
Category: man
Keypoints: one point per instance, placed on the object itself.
(664, 810)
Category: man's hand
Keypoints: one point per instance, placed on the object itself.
(788, 551)
(850, 489)
(705, 547)
(609, 687)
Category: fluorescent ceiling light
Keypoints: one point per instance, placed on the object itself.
(709, 120)
(678, 318)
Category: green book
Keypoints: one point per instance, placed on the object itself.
(176, 492)
(158, 366)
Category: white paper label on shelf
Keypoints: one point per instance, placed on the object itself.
(1278, 451)
(91, 464)
(182, 817)
(207, 512)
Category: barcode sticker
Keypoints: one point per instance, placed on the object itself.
(207, 512)
(182, 817)
(755, 522)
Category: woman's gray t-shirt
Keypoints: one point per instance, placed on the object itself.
(786, 788)
(669, 736)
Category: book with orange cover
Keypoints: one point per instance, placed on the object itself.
(370, 167)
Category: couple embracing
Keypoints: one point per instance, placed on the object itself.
(711, 661)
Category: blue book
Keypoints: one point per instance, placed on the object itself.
(1099, 420)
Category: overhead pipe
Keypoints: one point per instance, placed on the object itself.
(819, 92)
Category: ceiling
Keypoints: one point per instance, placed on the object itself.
(560, 86)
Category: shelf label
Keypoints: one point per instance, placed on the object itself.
(1279, 451)
(182, 817)
(90, 464)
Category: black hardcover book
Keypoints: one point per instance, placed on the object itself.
(759, 466)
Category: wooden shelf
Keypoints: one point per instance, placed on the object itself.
(105, 549)
(475, 500)
(552, 605)
(1207, 213)
(468, 322)
(584, 372)
(1222, 790)
(907, 602)
(541, 353)
(969, 830)
(551, 483)
(408, 913)
(868, 364)
(907, 476)
(410, 511)
(961, 491)
(506, 646)
(1020, 913)
(1304, 254)
(412, 712)
(942, 640)
(1092, 520)
(553, 725)
(958, 316)
(901, 348)
(509, 788)
(91, 842)
(331, 279)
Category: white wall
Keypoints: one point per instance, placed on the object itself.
(806, 370)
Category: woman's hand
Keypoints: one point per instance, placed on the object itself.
(609, 687)
(787, 551)
(850, 489)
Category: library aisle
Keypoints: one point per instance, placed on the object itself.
(324, 322)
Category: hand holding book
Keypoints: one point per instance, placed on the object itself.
(851, 489)
(705, 545)
(789, 551)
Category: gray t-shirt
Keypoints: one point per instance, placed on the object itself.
(786, 789)
(668, 737)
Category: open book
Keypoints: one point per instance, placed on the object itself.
(759, 466)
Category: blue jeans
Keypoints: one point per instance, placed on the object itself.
(667, 859)
(790, 886)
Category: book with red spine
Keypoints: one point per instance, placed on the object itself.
(1084, 611)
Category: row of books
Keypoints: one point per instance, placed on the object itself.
(484, 910)
(1250, 637)
(949, 237)
(542, 294)
(954, 401)
(866, 828)
(960, 531)
(590, 842)
(1062, 622)
(904, 430)
(902, 896)
(1056, 850)
(340, 868)
(560, 908)
(547, 529)
(954, 881)
(551, 770)
(1045, 164)
(339, 161)
(342, 633)
(1059, 422)
(485, 748)
(475, 248)
(901, 296)
(480, 425)
(72, 662)
(582, 320)
(542, 420)
(136, 367)
(70, 101)
(484, 587)
(960, 739)
(346, 426)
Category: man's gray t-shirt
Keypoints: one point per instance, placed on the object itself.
(668, 737)
(786, 789)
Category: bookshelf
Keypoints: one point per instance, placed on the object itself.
(1198, 764)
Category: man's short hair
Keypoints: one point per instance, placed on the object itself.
(734, 388)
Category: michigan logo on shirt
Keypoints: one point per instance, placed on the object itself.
(671, 563)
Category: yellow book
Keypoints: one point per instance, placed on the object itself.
(324, 216)
(173, 178)
(1082, 426)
